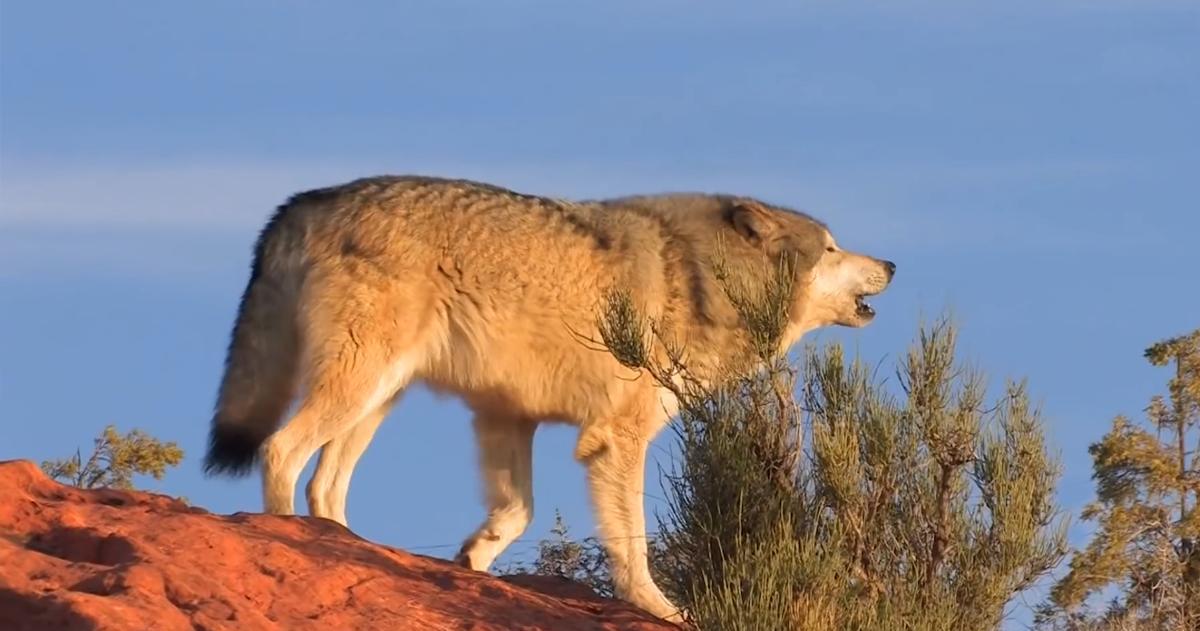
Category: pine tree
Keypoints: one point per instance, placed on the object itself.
(1146, 546)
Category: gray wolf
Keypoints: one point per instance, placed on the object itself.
(358, 290)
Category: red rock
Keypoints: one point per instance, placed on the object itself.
(107, 559)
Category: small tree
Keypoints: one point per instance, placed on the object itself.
(115, 459)
(1146, 546)
(559, 555)
(584, 561)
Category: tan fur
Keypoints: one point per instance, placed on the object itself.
(362, 289)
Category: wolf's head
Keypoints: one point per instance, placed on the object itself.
(832, 284)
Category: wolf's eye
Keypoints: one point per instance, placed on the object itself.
(830, 249)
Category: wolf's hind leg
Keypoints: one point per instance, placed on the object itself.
(359, 352)
(506, 464)
(330, 483)
(338, 400)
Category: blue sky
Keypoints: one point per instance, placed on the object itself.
(1030, 166)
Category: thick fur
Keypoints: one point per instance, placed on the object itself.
(361, 289)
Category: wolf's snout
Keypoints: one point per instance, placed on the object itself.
(891, 269)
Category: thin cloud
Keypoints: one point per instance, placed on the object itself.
(115, 216)
(219, 197)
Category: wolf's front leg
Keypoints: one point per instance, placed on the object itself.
(506, 465)
(616, 475)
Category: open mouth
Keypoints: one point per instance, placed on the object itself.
(862, 307)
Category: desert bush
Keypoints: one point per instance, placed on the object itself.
(856, 507)
(115, 459)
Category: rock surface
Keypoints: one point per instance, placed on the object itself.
(107, 559)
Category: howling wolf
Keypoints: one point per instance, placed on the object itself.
(361, 289)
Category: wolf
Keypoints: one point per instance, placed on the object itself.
(358, 290)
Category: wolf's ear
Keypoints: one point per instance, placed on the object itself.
(753, 221)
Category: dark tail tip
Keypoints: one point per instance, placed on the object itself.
(232, 451)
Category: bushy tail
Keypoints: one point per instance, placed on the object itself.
(260, 372)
